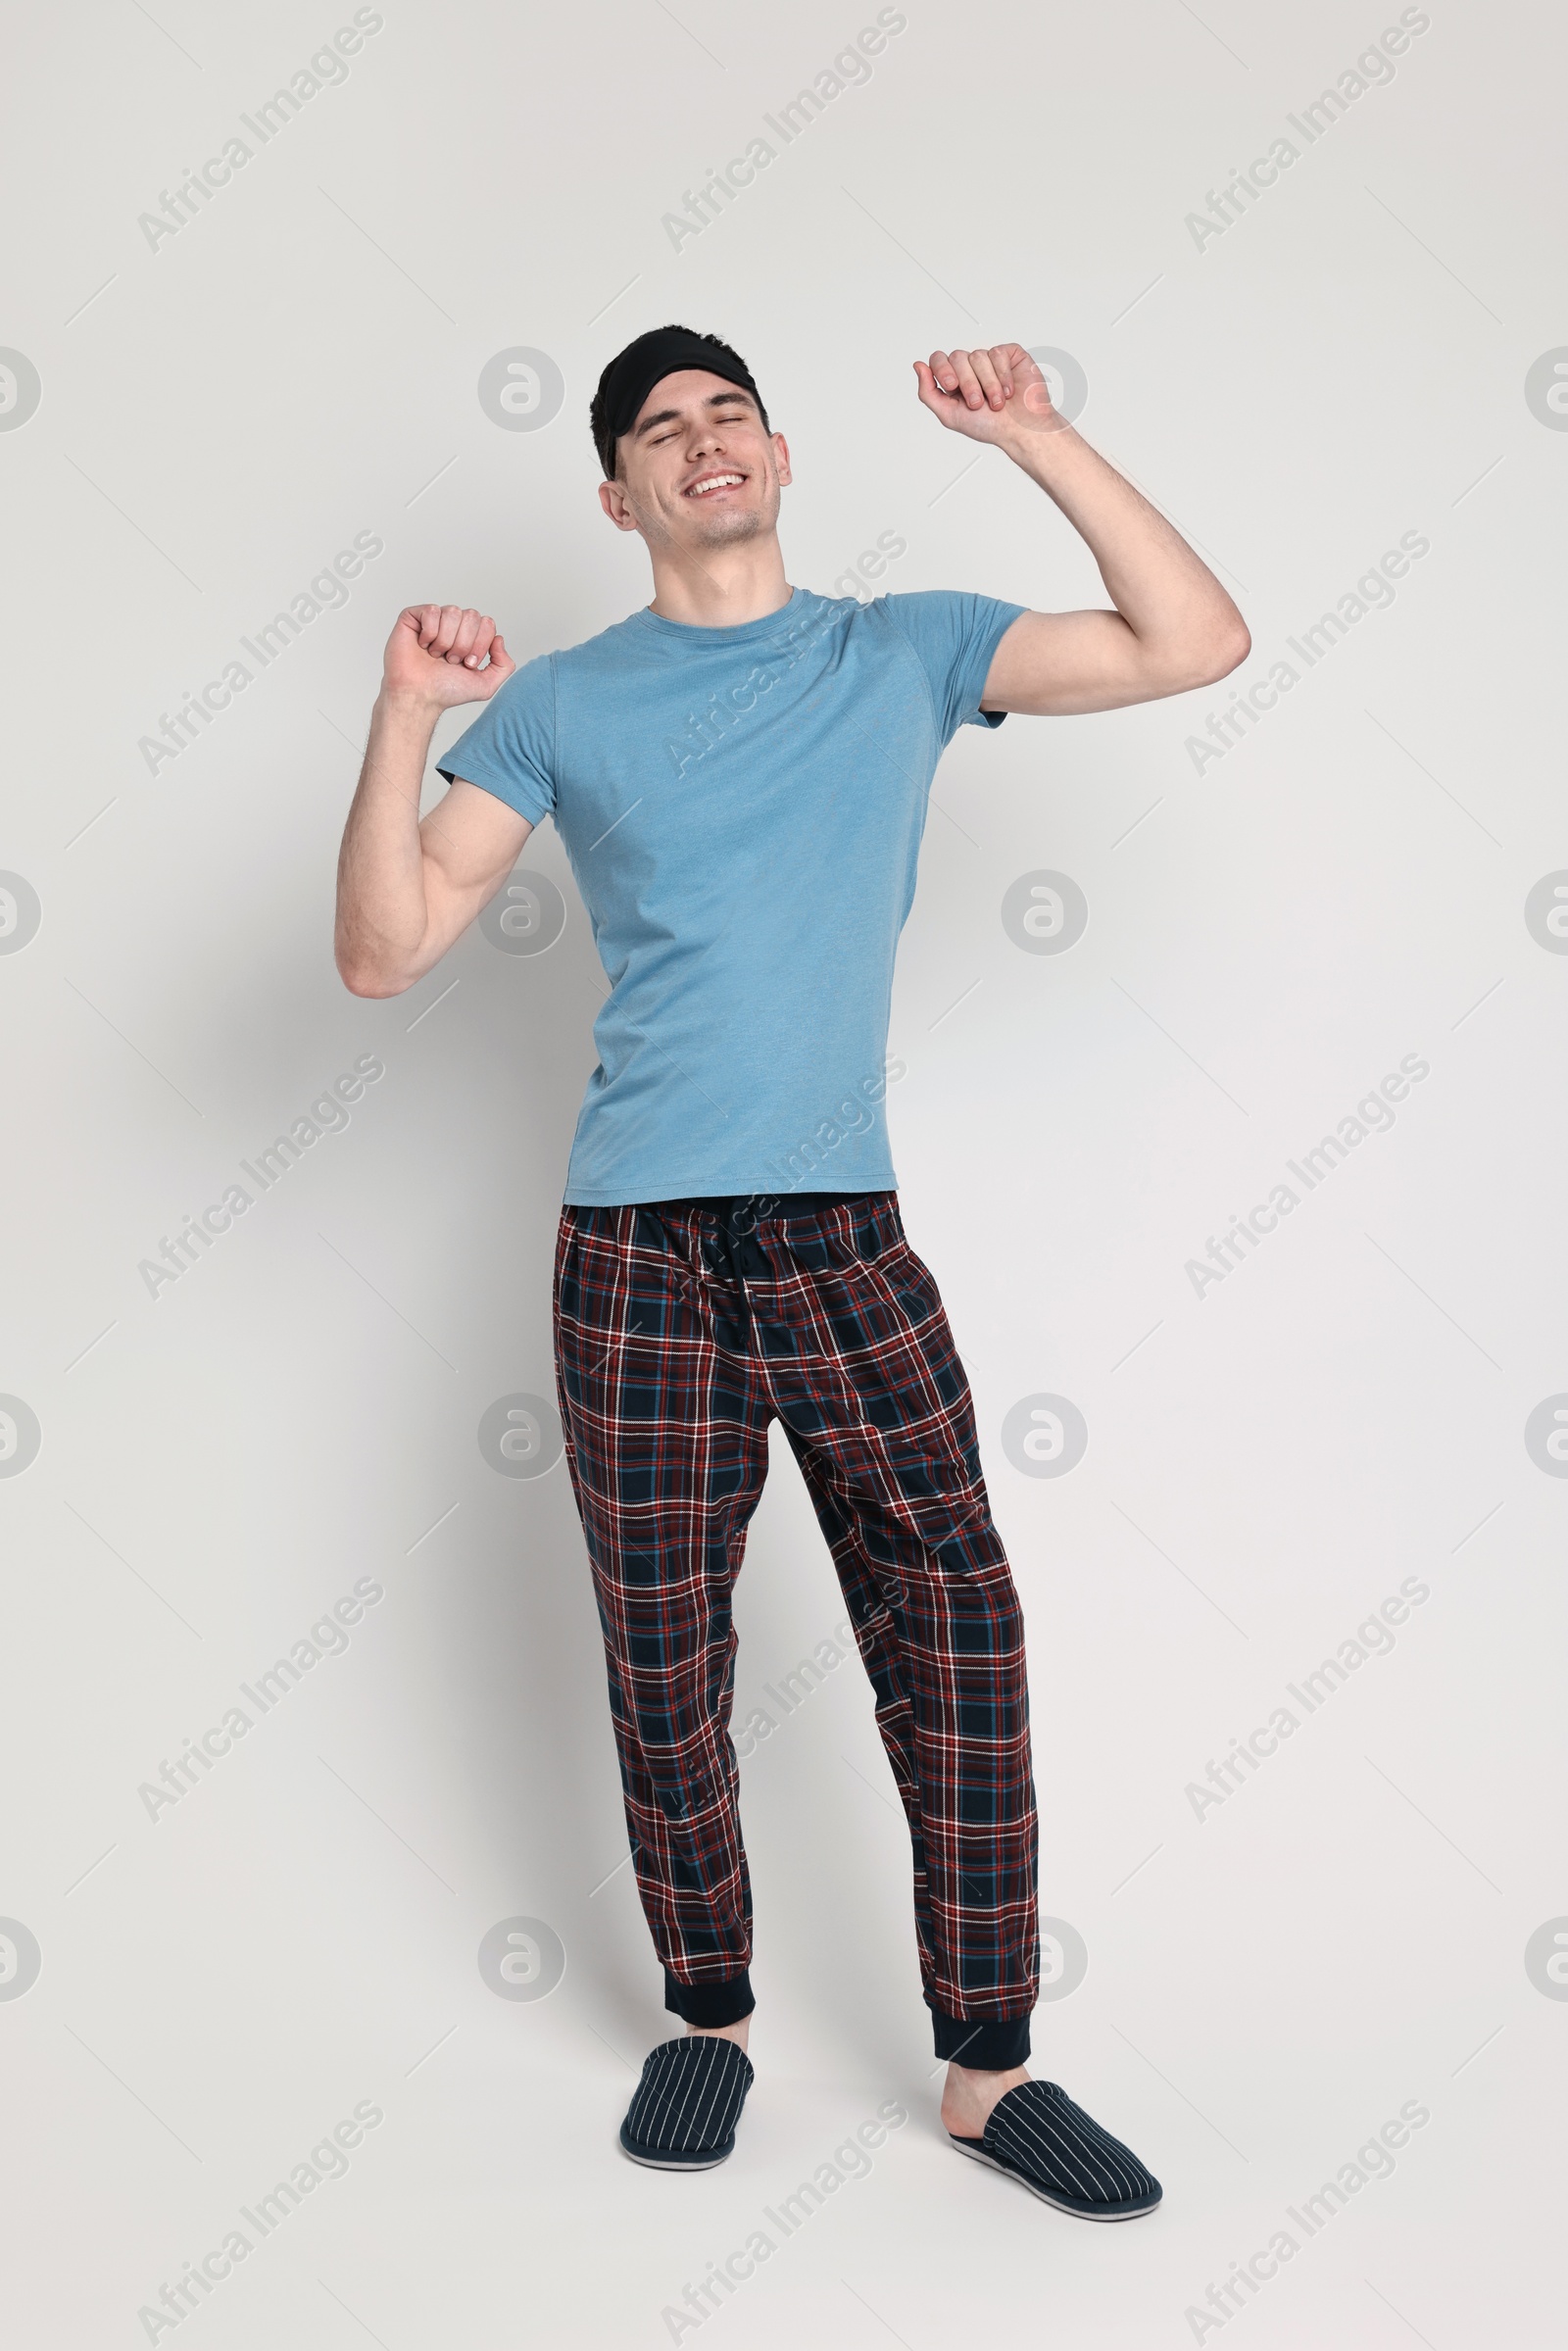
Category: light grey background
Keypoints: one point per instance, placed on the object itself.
(220, 413)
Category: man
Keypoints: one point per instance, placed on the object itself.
(739, 773)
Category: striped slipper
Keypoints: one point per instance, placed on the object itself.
(683, 2112)
(1036, 2134)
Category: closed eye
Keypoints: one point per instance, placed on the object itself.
(726, 415)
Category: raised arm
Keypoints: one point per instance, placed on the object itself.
(1173, 626)
(406, 889)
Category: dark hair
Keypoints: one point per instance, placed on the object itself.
(599, 407)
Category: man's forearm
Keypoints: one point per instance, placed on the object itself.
(1165, 593)
(382, 911)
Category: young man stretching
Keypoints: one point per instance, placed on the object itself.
(739, 773)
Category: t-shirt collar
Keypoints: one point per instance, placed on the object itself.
(680, 633)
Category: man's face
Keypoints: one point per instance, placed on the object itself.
(697, 470)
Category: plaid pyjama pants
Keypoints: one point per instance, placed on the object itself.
(682, 1330)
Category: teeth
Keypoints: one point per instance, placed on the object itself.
(720, 482)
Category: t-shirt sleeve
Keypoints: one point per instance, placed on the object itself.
(509, 749)
(953, 637)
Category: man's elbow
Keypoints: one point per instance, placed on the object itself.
(363, 978)
(1225, 650)
(366, 984)
(1207, 658)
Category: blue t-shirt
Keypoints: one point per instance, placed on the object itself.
(743, 810)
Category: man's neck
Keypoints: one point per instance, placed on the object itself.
(721, 587)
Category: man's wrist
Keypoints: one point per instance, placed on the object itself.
(1038, 448)
(406, 709)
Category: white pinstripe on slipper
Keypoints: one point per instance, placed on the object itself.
(1037, 2135)
(684, 2110)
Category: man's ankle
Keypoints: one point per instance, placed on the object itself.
(736, 2032)
(969, 2093)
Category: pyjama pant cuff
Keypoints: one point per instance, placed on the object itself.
(991, 2045)
(712, 2003)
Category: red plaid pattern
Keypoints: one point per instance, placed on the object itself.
(670, 1370)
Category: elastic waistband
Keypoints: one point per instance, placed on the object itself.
(741, 1211)
(732, 1233)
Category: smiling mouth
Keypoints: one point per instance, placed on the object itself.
(709, 484)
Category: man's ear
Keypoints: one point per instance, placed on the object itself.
(612, 497)
(781, 458)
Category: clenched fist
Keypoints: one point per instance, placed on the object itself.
(988, 394)
(444, 654)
